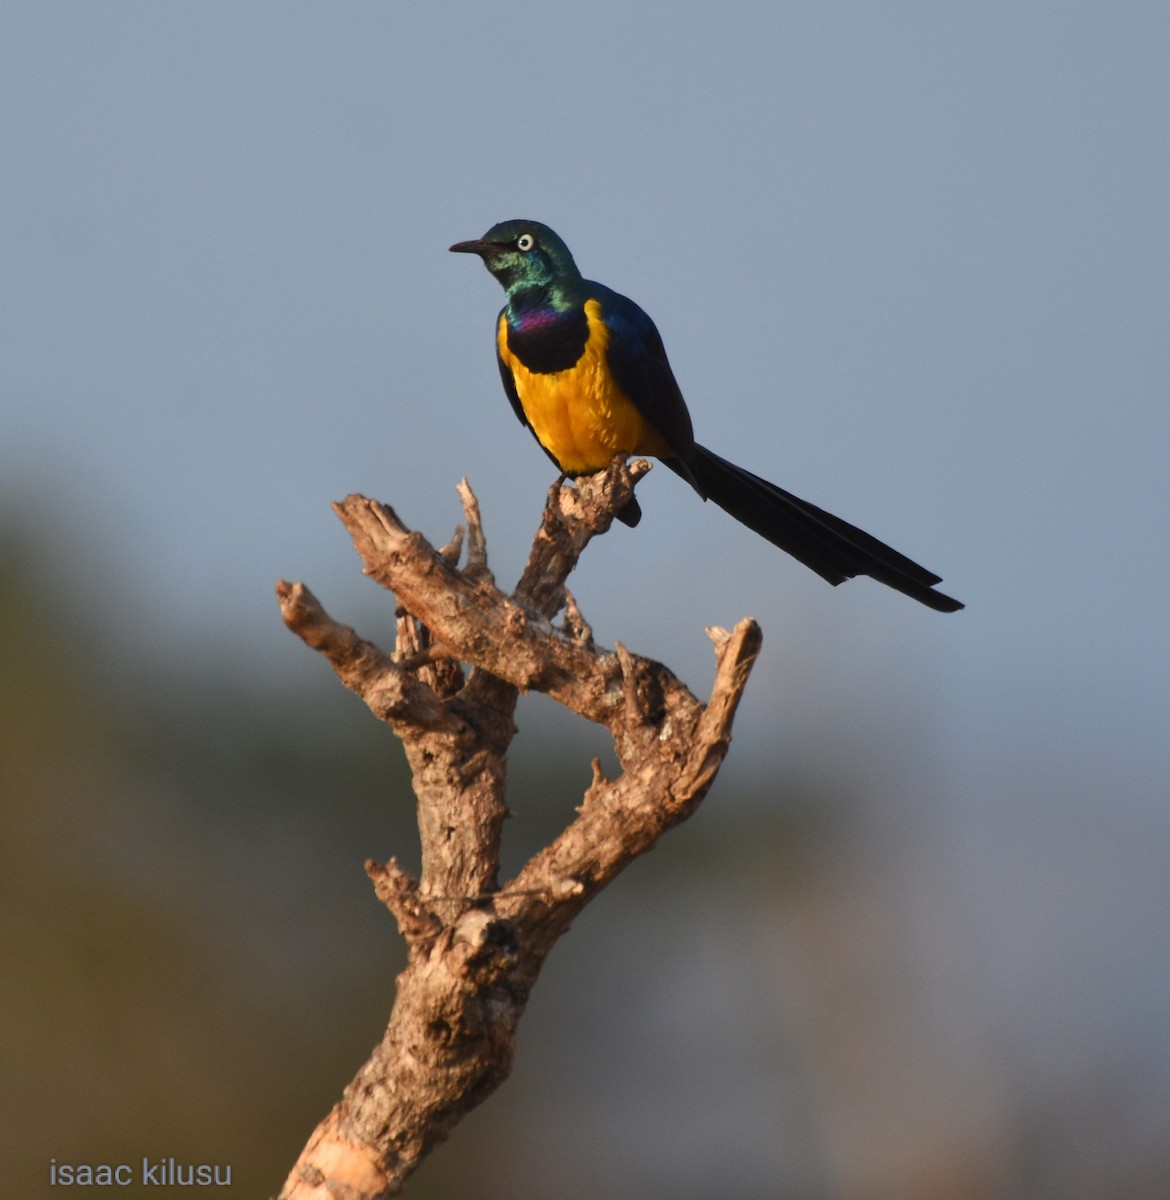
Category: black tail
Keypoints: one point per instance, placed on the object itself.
(833, 548)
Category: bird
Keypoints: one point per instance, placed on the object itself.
(586, 371)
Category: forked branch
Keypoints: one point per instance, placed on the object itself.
(475, 947)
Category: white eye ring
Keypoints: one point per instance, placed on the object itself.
(525, 241)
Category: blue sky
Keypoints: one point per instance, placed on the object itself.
(911, 261)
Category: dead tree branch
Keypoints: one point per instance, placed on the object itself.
(475, 948)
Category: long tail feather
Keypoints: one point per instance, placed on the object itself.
(832, 548)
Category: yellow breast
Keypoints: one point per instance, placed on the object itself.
(580, 415)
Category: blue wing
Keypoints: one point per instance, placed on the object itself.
(639, 364)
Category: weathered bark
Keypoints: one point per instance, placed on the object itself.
(475, 948)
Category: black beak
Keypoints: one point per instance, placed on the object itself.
(476, 247)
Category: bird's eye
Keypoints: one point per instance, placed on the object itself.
(525, 242)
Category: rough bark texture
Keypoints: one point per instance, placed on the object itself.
(475, 947)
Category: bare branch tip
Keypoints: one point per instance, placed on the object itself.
(746, 637)
(352, 503)
(632, 701)
(574, 622)
(288, 595)
(451, 551)
(298, 605)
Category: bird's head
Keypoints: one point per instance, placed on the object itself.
(526, 257)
